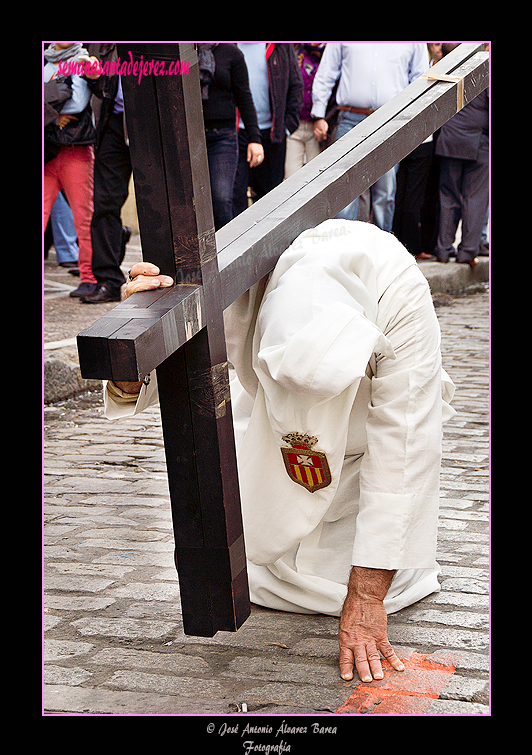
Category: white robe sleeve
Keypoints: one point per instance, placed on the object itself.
(397, 521)
(118, 404)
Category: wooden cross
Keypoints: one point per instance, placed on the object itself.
(179, 331)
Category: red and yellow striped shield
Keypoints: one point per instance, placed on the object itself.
(305, 466)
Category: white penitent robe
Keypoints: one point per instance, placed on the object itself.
(338, 402)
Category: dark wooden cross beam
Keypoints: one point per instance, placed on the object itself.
(179, 331)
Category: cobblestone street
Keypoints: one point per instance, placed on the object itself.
(113, 639)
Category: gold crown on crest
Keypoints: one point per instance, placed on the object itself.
(300, 439)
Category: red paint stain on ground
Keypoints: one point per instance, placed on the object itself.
(407, 692)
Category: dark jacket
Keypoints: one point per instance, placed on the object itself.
(286, 89)
(79, 131)
(228, 91)
(466, 134)
(55, 95)
(104, 88)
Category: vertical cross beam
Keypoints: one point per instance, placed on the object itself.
(166, 134)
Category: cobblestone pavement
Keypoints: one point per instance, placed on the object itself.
(113, 639)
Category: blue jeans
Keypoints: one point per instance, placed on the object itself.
(382, 191)
(222, 154)
(63, 230)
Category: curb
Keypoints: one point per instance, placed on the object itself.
(453, 278)
(62, 378)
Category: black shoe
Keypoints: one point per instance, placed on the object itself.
(102, 295)
(84, 289)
